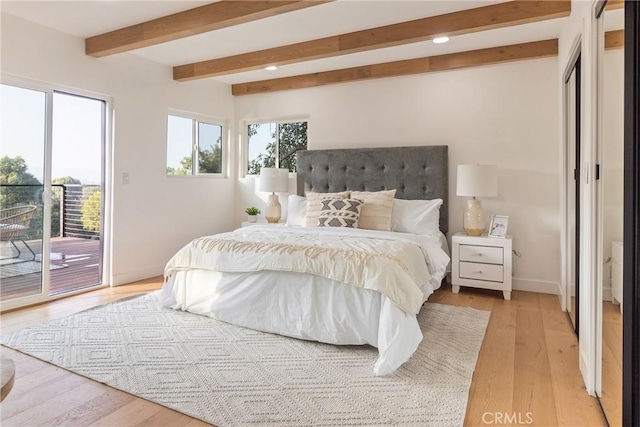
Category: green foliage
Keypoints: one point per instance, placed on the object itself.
(91, 212)
(19, 187)
(292, 137)
(66, 180)
(252, 211)
(264, 160)
(13, 172)
(209, 161)
(176, 171)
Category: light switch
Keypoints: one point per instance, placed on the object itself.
(125, 178)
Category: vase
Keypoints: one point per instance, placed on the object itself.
(252, 218)
(473, 221)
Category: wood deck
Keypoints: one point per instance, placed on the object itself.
(75, 264)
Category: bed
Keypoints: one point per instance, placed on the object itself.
(337, 285)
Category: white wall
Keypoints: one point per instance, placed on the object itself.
(153, 216)
(504, 114)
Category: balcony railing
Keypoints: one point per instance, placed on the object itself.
(75, 210)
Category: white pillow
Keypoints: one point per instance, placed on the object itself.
(416, 216)
(314, 205)
(296, 211)
(377, 209)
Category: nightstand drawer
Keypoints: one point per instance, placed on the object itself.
(483, 254)
(476, 271)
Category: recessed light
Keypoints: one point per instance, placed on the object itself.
(442, 39)
(271, 68)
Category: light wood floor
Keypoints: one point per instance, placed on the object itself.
(527, 370)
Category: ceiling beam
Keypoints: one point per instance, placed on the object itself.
(451, 61)
(452, 24)
(614, 39)
(221, 14)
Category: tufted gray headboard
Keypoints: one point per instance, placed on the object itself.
(415, 172)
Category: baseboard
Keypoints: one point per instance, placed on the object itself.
(606, 294)
(536, 286)
(133, 276)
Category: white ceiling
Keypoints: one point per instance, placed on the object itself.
(89, 18)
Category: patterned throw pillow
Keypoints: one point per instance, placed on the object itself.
(377, 209)
(314, 205)
(337, 212)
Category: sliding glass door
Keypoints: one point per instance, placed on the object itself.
(77, 193)
(22, 183)
(52, 194)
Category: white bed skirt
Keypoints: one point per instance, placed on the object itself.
(300, 306)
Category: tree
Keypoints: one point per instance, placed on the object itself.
(209, 161)
(66, 180)
(91, 212)
(19, 186)
(292, 137)
(176, 171)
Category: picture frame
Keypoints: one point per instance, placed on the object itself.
(498, 227)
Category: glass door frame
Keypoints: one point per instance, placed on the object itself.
(631, 268)
(47, 193)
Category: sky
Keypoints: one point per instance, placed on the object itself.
(179, 139)
(77, 133)
(258, 142)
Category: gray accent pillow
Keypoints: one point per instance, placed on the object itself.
(337, 212)
(314, 205)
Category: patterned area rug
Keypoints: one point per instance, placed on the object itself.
(231, 376)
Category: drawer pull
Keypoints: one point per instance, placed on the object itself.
(477, 272)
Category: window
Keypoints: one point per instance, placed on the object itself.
(193, 141)
(274, 145)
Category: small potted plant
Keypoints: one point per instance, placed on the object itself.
(252, 213)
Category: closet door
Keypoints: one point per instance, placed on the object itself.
(572, 146)
(610, 187)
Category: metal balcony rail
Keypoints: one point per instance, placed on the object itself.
(70, 215)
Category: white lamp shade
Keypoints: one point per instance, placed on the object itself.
(274, 180)
(477, 181)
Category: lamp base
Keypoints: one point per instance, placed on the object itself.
(473, 220)
(273, 210)
(474, 231)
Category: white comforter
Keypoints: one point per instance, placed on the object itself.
(306, 306)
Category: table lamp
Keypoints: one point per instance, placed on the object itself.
(476, 181)
(274, 180)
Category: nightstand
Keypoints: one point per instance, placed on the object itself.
(481, 262)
